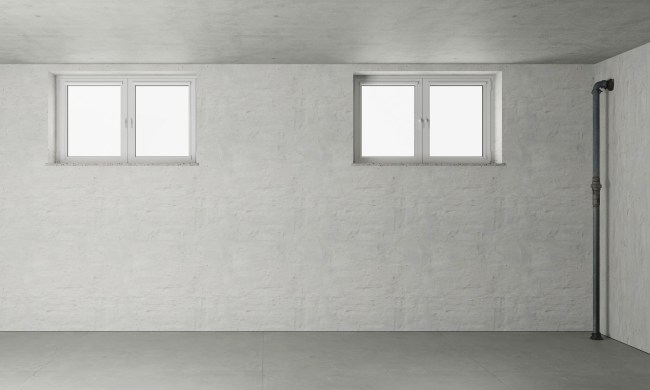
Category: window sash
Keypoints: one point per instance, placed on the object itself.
(132, 157)
(422, 116)
(128, 118)
(417, 129)
(62, 123)
(486, 122)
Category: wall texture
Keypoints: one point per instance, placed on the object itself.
(277, 230)
(628, 189)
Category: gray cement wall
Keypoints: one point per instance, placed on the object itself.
(276, 229)
(628, 189)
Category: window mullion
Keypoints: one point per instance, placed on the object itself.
(130, 139)
(419, 116)
(426, 127)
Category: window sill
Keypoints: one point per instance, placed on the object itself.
(438, 164)
(189, 164)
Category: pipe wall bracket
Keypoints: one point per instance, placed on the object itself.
(595, 188)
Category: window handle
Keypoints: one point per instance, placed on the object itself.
(131, 122)
(126, 122)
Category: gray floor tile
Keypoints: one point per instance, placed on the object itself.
(381, 351)
(318, 360)
(573, 381)
(12, 380)
(155, 351)
(30, 350)
(137, 379)
(374, 380)
(549, 351)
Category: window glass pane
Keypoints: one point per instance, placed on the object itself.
(94, 120)
(162, 116)
(456, 120)
(388, 120)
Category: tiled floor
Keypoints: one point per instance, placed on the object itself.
(318, 360)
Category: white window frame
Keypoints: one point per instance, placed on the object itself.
(128, 123)
(422, 116)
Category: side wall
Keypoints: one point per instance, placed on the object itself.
(626, 123)
(276, 229)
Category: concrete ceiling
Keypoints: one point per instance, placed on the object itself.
(320, 31)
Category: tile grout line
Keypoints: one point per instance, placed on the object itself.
(39, 369)
(506, 386)
(263, 358)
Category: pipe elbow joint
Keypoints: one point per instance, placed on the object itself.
(603, 85)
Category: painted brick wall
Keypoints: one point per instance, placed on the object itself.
(277, 230)
(626, 116)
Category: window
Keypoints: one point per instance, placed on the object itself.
(115, 119)
(423, 119)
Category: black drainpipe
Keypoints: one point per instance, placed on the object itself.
(595, 188)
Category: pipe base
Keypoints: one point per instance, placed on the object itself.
(596, 336)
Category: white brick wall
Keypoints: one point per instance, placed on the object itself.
(277, 230)
(625, 129)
